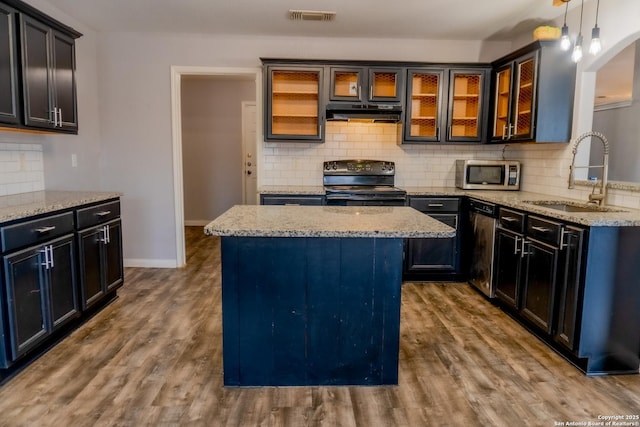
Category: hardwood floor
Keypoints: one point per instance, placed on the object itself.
(153, 357)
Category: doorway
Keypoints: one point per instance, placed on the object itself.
(213, 170)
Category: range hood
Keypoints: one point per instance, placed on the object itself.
(386, 113)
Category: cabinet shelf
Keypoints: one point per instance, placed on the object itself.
(424, 95)
(465, 118)
(296, 116)
(466, 96)
(423, 118)
(294, 93)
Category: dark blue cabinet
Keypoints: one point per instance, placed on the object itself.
(310, 311)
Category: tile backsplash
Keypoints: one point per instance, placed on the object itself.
(545, 166)
(21, 168)
(416, 165)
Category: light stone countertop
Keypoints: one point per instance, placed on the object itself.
(327, 221)
(616, 216)
(24, 205)
(307, 190)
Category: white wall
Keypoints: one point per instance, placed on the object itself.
(212, 144)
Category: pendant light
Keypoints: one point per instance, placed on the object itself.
(576, 55)
(565, 40)
(596, 46)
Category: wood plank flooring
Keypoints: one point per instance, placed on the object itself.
(153, 358)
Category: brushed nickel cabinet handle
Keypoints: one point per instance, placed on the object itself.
(43, 230)
(541, 229)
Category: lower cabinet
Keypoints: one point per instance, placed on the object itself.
(538, 273)
(570, 295)
(508, 267)
(41, 292)
(434, 259)
(100, 249)
(52, 273)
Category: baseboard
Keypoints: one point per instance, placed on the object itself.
(196, 222)
(150, 263)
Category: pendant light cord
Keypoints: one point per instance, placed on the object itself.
(597, 9)
(581, 10)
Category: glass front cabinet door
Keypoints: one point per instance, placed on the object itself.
(424, 104)
(466, 116)
(514, 100)
(294, 104)
(445, 105)
(365, 85)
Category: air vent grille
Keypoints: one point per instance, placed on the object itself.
(311, 15)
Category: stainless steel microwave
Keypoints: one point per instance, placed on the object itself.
(488, 174)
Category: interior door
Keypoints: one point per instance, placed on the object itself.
(249, 158)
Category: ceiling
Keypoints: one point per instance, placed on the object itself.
(420, 19)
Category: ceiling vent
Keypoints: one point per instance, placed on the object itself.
(311, 15)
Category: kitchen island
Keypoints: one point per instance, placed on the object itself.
(311, 294)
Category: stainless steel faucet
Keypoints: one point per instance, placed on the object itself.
(599, 198)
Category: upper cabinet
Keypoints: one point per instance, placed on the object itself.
(446, 105)
(294, 103)
(532, 95)
(8, 67)
(48, 76)
(366, 84)
(38, 56)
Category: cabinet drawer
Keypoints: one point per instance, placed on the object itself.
(433, 204)
(36, 231)
(544, 230)
(293, 200)
(88, 217)
(511, 220)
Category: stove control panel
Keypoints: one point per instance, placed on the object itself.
(359, 167)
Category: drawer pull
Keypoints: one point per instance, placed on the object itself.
(43, 230)
(510, 219)
(541, 229)
(436, 205)
(103, 213)
(563, 233)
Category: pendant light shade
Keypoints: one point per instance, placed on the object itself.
(596, 46)
(576, 55)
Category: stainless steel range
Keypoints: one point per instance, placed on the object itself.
(361, 183)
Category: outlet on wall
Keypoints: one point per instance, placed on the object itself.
(74, 160)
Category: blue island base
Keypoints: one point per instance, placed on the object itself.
(311, 311)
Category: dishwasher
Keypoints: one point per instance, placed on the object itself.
(482, 218)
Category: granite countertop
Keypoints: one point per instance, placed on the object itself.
(327, 221)
(24, 205)
(615, 216)
(307, 190)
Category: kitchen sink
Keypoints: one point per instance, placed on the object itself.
(572, 206)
